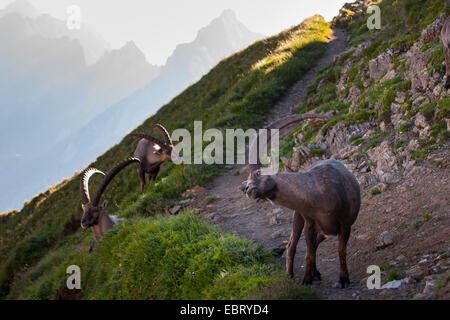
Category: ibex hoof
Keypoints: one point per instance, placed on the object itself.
(317, 276)
(344, 281)
(307, 281)
(290, 275)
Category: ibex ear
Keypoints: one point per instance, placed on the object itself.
(104, 204)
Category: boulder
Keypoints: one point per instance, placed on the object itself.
(383, 162)
(381, 64)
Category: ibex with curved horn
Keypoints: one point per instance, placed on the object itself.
(152, 153)
(94, 215)
(325, 199)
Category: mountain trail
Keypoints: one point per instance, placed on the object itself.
(224, 205)
(262, 222)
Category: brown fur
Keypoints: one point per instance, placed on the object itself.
(152, 153)
(95, 215)
(325, 200)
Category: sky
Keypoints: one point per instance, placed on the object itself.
(158, 26)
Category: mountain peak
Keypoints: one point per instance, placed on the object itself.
(228, 14)
(23, 7)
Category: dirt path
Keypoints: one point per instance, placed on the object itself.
(263, 223)
(260, 221)
(296, 94)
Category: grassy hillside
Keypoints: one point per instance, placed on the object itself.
(375, 98)
(152, 256)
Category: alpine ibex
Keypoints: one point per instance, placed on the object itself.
(152, 153)
(445, 38)
(325, 200)
(95, 216)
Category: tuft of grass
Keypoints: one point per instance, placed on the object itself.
(416, 225)
(211, 199)
(393, 275)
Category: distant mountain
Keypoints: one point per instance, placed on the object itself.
(188, 63)
(94, 46)
(48, 91)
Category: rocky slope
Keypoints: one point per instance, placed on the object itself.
(389, 125)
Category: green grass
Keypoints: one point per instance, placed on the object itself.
(393, 275)
(179, 257)
(237, 93)
(211, 199)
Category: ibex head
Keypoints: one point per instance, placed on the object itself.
(162, 150)
(92, 211)
(259, 186)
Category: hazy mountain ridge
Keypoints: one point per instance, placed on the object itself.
(222, 37)
(48, 91)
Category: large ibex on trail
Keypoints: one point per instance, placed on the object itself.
(152, 153)
(94, 215)
(325, 199)
(445, 38)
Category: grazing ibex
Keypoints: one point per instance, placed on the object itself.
(94, 215)
(445, 38)
(152, 152)
(325, 200)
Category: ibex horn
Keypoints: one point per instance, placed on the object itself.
(165, 134)
(107, 179)
(84, 184)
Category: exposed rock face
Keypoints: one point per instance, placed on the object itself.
(433, 30)
(381, 64)
(422, 126)
(339, 136)
(383, 162)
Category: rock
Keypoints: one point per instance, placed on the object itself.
(422, 126)
(416, 272)
(360, 48)
(216, 217)
(279, 234)
(274, 220)
(185, 202)
(348, 152)
(353, 95)
(400, 97)
(386, 239)
(276, 210)
(395, 284)
(383, 162)
(427, 291)
(322, 84)
(423, 261)
(389, 75)
(194, 191)
(174, 210)
(400, 258)
(397, 120)
(432, 31)
(413, 145)
(381, 64)
(409, 280)
(381, 186)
